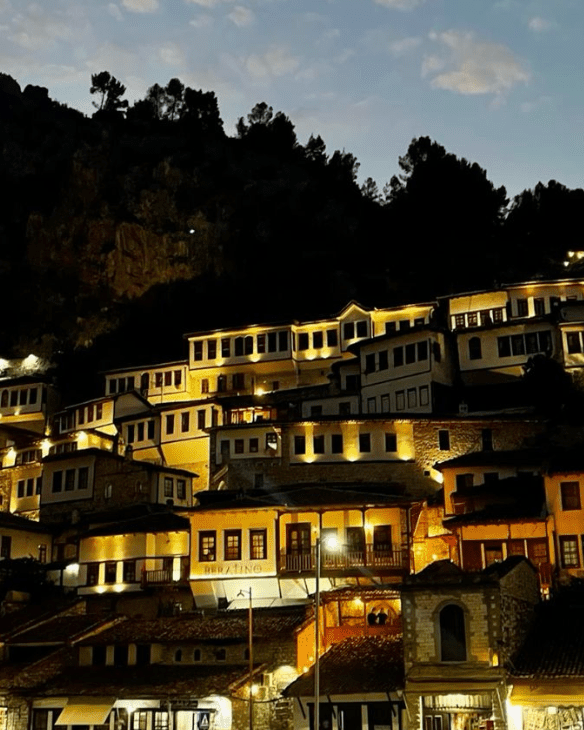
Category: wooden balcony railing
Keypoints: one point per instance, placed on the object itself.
(304, 561)
(164, 576)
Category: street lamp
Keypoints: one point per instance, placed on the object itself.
(331, 544)
(250, 652)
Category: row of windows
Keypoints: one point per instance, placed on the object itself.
(403, 325)
(238, 382)
(404, 354)
(165, 378)
(232, 545)
(92, 412)
(575, 342)
(142, 431)
(29, 487)
(524, 344)
(271, 442)
(482, 317)
(122, 385)
(174, 488)
(70, 479)
(181, 422)
(19, 397)
(411, 398)
(110, 572)
(336, 445)
(28, 456)
(278, 341)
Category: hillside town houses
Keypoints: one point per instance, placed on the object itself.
(372, 521)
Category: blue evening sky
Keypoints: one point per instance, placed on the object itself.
(499, 82)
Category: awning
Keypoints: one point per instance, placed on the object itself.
(86, 711)
(544, 693)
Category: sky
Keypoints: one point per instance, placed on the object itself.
(499, 82)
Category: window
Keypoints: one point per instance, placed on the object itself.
(248, 345)
(5, 546)
(257, 544)
(474, 348)
(92, 574)
(181, 489)
(422, 350)
(198, 350)
(238, 446)
(178, 377)
(130, 437)
(272, 441)
(142, 655)
(207, 546)
(345, 408)
(315, 411)
(57, 481)
(390, 327)
(404, 324)
(570, 495)
(238, 381)
(362, 328)
(487, 439)
(140, 432)
(178, 655)
(410, 353)
(391, 442)
(364, 443)
(573, 342)
(170, 423)
(517, 345)
(353, 382)
(238, 347)
(424, 395)
(539, 306)
(20, 487)
(398, 356)
(129, 568)
(254, 445)
(282, 340)
(522, 308)
(184, 421)
(569, 551)
(317, 340)
(168, 487)
(221, 384)
(444, 440)
(349, 331)
(371, 405)
(318, 444)
(382, 539)
(70, 480)
(107, 491)
(332, 339)
(201, 420)
(370, 363)
(504, 346)
(272, 342)
(197, 655)
(464, 480)
(226, 347)
(452, 634)
(412, 398)
(383, 359)
(400, 400)
(220, 655)
(232, 544)
(110, 571)
(337, 443)
(303, 340)
(29, 487)
(299, 445)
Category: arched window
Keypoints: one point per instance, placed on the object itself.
(197, 655)
(452, 634)
(474, 348)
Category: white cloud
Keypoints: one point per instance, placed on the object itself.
(205, 3)
(241, 16)
(171, 55)
(275, 62)
(114, 11)
(473, 66)
(399, 4)
(529, 106)
(404, 45)
(539, 25)
(201, 21)
(35, 28)
(140, 6)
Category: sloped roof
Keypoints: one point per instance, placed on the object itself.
(157, 522)
(59, 629)
(357, 665)
(554, 648)
(223, 626)
(520, 457)
(15, 522)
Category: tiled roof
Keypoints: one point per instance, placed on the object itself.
(145, 681)
(357, 665)
(14, 522)
(555, 645)
(161, 522)
(58, 629)
(520, 457)
(31, 614)
(224, 626)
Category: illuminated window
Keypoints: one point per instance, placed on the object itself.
(498, 314)
(226, 347)
(232, 544)
(569, 551)
(473, 319)
(257, 544)
(207, 546)
(160, 720)
(570, 495)
(271, 441)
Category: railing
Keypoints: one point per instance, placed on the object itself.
(304, 561)
(164, 576)
(334, 634)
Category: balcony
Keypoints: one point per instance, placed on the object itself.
(346, 559)
(163, 577)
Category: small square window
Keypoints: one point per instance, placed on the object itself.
(570, 495)
(337, 443)
(364, 443)
(318, 444)
(299, 445)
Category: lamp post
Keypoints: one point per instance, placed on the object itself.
(331, 544)
(250, 652)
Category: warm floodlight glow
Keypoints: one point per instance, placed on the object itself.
(4, 364)
(72, 569)
(260, 391)
(30, 362)
(331, 543)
